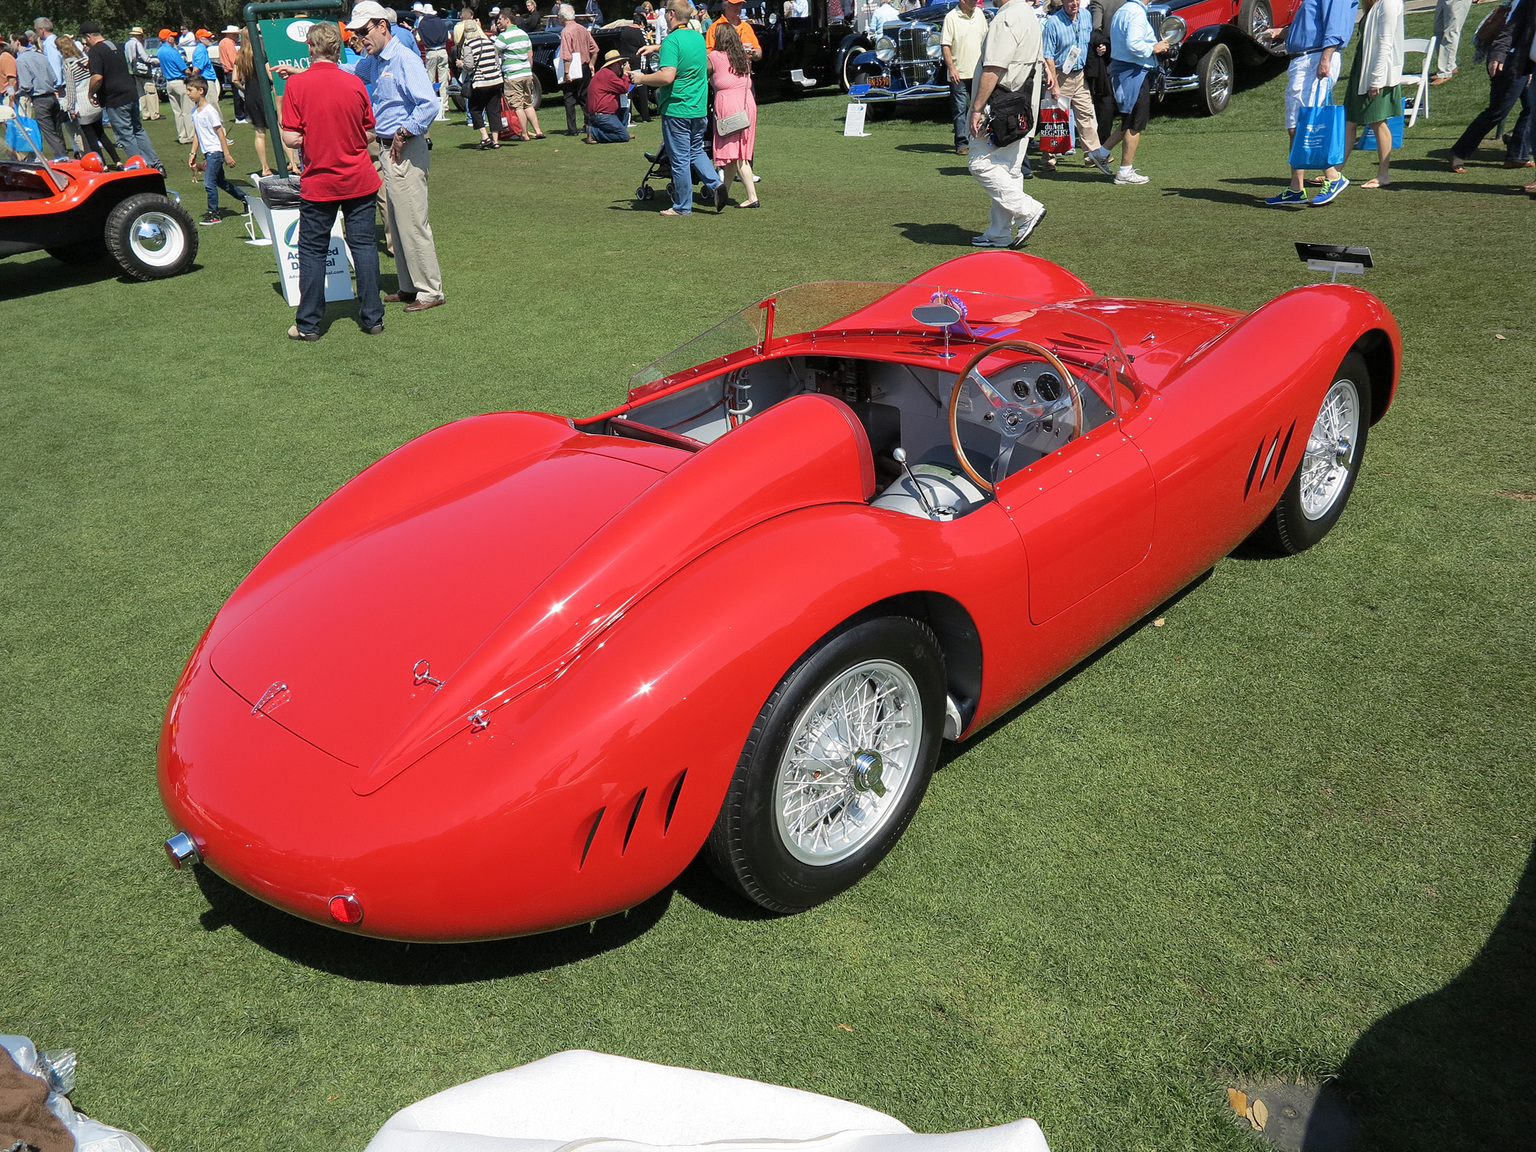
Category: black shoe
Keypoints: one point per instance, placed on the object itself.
(651, 157)
(376, 330)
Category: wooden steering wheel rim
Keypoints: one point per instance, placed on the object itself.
(954, 398)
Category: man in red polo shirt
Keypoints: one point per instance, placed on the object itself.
(328, 117)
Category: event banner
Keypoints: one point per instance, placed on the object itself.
(283, 43)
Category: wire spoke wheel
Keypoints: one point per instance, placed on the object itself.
(848, 762)
(1325, 466)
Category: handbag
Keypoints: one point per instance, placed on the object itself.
(1319, 141)
(1055, 130)
(1492, 24)
(1012, 113)
(735, 122)
(1368, 136)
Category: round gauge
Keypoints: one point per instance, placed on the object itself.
(1048, 386)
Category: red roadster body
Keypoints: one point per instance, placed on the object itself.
(519, 672)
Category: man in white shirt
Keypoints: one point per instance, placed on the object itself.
(1133, 51)
(1010, 63)
(965, 29)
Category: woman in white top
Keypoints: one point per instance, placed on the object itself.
(1372, 96)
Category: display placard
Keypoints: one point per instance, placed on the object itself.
(338, 259)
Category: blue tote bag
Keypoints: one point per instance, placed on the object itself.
(1319, 141)
(1395, 123)
(17, 131)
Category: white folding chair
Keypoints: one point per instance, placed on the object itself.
(1419, 83)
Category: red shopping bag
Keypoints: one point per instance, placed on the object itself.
(511, 124)
(1055, 131)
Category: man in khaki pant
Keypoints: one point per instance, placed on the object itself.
(1065, 36)
(137, 56)
(404, 107)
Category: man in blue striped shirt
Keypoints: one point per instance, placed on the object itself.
(404, 107)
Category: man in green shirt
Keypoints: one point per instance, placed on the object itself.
(682, 76)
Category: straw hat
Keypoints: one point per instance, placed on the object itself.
(135, 31)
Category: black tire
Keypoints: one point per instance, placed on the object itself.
(1289, 529)
(1216, 74)
(538, 93)
(133, 219)
(1254, 17)
(746, 848)
(849, 75)
(83, 252)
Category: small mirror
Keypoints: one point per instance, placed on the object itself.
(936, 315)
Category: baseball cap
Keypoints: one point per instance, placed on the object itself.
(167, 34)
(364, 11)
(90, 28)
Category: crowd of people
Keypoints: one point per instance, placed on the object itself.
(357, 120)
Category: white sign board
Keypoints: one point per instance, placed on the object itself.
(853, 122)
(338, 260)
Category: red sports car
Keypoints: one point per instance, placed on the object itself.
(520, 672)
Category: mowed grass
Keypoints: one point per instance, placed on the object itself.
(1288, 833)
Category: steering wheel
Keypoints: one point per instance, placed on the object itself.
(1044, 412)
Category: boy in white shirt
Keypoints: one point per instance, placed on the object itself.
(214, 144)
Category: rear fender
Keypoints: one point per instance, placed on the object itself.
(1007, 273)
(663, 703)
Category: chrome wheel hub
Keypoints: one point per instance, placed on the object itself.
(157, 239)
(848, 762)
(1330, 450)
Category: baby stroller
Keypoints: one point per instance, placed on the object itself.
(661, 168)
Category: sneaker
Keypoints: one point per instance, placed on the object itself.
(1129, 176)
(985, 242)
(208, 218)
(242, 121)
(1330, 190)
(1289, 198)
(307, 337)
(1099, 160)
(1026, 228)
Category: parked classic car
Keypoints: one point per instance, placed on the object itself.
(80, 211)
(520, 672)
(1207, 39)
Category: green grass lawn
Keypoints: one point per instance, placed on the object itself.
(1288, 833)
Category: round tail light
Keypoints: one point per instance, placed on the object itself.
(346, 910)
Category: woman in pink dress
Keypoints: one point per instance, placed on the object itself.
(730, 73)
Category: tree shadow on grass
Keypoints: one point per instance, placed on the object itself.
(952, 750)
(1454, 1069)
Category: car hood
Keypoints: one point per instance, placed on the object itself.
(424, 620)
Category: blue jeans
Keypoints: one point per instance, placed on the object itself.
(960, 110)
(316, 218)
(606, 128)
(129, 130)
(684, 139)
(214, 179)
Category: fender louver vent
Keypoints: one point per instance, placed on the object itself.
(677, 791)
(591, 835)
(633, 816)
(1269, 470)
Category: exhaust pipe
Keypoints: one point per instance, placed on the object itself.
(182, 851)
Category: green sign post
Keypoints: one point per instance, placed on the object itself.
(277, 34)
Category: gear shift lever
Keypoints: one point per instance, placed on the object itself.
(900, 456)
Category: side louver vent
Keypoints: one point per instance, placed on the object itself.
(633, 816)
(677, 791)
(591, 835)
(1272, 453)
